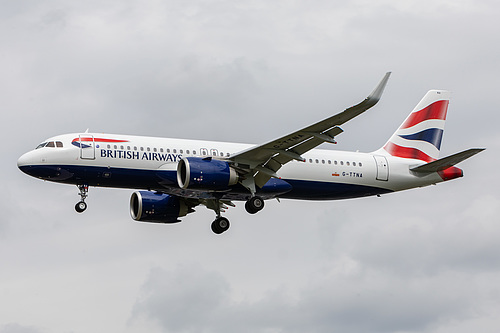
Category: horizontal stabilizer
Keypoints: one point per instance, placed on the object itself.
(447, 162)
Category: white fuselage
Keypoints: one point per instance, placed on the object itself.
(126, 161)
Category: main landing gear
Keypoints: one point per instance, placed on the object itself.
(221, 224)
(81, 205)
(254, 205)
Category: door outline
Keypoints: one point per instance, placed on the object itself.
(86, 152)
(382, 167)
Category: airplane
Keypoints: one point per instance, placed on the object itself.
(173, 176)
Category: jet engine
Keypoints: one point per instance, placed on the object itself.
(205, 174)
(146, 206)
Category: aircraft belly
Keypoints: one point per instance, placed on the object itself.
(315, 190)
(166, 180)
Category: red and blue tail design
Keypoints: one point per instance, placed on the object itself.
(419, 137)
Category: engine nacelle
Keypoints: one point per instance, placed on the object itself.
(205, 174)
(154, 207)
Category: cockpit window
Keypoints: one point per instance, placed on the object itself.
(51, 144)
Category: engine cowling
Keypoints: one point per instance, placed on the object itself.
(146, 206)
(205, 174)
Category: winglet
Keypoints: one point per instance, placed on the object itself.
(376, 94)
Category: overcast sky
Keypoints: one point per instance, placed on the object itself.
(424, 260)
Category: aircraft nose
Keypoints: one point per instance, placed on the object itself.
(24, 160)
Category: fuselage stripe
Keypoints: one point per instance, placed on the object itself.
(88, 139)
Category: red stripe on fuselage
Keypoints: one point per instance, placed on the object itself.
(436, 110)
(97, 140)
(406, 152)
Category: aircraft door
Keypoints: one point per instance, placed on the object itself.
(87, 147)
(382, 167)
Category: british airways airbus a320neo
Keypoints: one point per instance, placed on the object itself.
(174, 175)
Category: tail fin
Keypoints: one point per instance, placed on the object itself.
(419, 137)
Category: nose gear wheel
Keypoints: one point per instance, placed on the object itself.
(81, 206)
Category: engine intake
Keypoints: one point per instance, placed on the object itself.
(205, 174)
(154, 207)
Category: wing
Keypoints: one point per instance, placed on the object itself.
(260, 163)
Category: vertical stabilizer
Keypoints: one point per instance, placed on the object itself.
(419, 137)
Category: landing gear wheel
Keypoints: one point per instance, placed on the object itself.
(80, 207)
(220, 225)
(254, 205)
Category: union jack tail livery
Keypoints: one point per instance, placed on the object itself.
(419, 137)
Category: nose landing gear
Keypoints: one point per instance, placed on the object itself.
(81, 206)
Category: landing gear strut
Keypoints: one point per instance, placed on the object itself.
(81, 205)
(220, 224)
(254, 205)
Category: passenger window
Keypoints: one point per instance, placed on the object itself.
(341, 162)
(335, 162)
(168, 150)
(121, 147)
(347, 163)
(180, 151)
(109, 146)
(154, 149)
(360, 164)
(128, 147)
(323, 161)
(354, 163)
(187, 151)
(142, 148)
(329, 162)
(148, 149)
(310, 160)
(221, 154)
(115, 147)
(175, 151)
(135, 147)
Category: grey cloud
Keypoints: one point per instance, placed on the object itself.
(192, 300)
(17, 328)
(184, 300)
